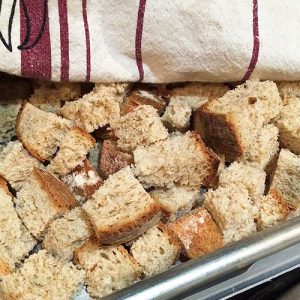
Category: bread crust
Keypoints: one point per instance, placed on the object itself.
(219, 132)
(59, 194)
(4, 186)
(284, 207)
(127, 231)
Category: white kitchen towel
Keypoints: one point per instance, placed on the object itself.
(151, 40)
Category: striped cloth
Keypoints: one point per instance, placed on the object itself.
(151, 40)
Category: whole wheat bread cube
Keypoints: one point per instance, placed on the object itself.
(156, 250)
(15, 239)
(72, 151)
(67, 234)
(16, 164)
(286, 178)
(288, 124)
(181, 159)
(176, 201)
(8, 115)
(271, 210)
(42, 277)
(121, 209)
(139, 127)
(232, 210)
(198, 233)
(242, 174)
(177, 115)
(108, 269)
(49, 96)
(195, 94)
(264, 147)
(141, 97)
(40, 132)
(118, 90)
(42, 199)
(230, 123)
(83, 181)
(112, 159)
(288, 90)
(96, 109)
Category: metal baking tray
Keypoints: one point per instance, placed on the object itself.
(224, 273)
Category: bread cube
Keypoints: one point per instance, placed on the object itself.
(288, 90)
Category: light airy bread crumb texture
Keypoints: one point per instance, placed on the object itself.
(72, 151)
(8, 115)
(264, 147)
(286, 179)
(195, 94)
(42, 199)
(140, 97)
(232, 210)
(112, 159)
(181, 159)
(49, 96)
(83, 181)
(288, 123)
(121, 209)
(177, 115)
(242, 174)
(139, 127)
(96, 109)
(176, 201)
(16, 164)
(40, 132)
(67, 233)
(109, 269)
(156, 250)
(117, 90)
(230, 123)
(198, 233)
(271, 210)
(288, 90)
(15, 239)
(42, 277)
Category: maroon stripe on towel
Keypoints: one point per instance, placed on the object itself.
(138, 39)
(35, 39)
(64, 39)
(87, 41)
(255, 50)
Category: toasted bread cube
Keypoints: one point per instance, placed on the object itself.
(72, 151)
(121, 209)
(140, 97)
(176, 201)
(232, 210)
(286, 179)
(182, 159)
(96, 109)
(288, 124)
(109, 269)
(83, 181)
(242, 174)
(67, 234)
(198, 233)
(177, 115)
(116, 89)
(264, 147)
(42, 199)
(288, 90)
(139, 127)
(15, 239)
(230, 123)
(271, 210)
(16, 164)
(49, 96)
(42, 276)
(195, 94)
(156, 250)
(40, 132)
(113, 159)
